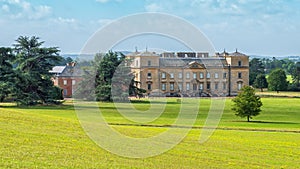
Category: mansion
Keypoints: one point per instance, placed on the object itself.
(190, 74)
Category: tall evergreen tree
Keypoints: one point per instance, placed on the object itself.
(33, 62)
(6, 72)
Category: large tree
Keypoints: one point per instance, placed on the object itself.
(6, 72)
(261, 82)
(277, 80)
(247, 104)
(256, 68)
(33, 80)
(108, 78)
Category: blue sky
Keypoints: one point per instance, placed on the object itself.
(264, 27)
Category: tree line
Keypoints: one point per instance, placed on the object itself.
(272, 74)
(24, 72)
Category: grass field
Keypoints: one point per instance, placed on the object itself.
(51, 137)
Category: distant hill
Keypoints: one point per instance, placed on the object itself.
(294, 58)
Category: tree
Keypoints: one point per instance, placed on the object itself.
(261, 82)
(277, 80)
(256, 67)
(6, 72)
(247, 104)
(33, 80)
(108, 77)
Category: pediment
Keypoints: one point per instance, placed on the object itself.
(195, 65)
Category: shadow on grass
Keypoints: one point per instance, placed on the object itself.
(266, 122)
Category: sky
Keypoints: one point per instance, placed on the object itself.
(254, 27)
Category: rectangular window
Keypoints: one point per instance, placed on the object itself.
(240, 85)
(194, 75)
(171, 86)
(240, 63)
(163, 75)
(149, 86)
(187, 86)
(239, 75)
(163, 86)
(65, 82)
(201, 75)
(180, 75)
(149, 62)
(187, 75)
(208, 86)
(224, 75)
(216, 86)
(149, 75)
(216, 75)
(65, 92)
(207, 75)
(195, 87)
(180, 86)
(172, 75)
(224, 86)
(136, 63)
(201, 86)
(73, 82)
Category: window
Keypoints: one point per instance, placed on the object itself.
(239, 75)
(216, 75)
(195, 75)
(137, 63)
(180, 75)
(149, 86)
(216, 86)
(194, 87)
(149, 62)
(171, 86)
(201, 75)
(187, 86)
(240, 85)
(208, 86)
(224, 75)
(201, 86)
(224, 86)
(172, 75)
(65, 92)
(187, 75)
(180, 86)
(163, 75)
(208, 75)
(73, 82)
(65, 82)
(240, 63)
(149, 75)
(163, 86)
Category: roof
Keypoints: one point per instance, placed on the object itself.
(67, 71)
(57, 69)
(182, 62)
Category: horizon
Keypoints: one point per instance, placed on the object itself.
(264, 28)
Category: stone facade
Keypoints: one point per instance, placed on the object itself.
(189, 73)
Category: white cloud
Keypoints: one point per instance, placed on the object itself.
(105, 1)
(5, 8)
(21, 9)
(153, 7)
(65, 20)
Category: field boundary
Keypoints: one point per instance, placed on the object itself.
(199, 127)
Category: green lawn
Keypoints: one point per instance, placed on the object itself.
(51, 137)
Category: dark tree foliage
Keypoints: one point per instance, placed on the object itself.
(261, 82)
(247, 104)
(33, 80)
(108, 79)
(256, 68)
(277, 80)
(6, 73)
